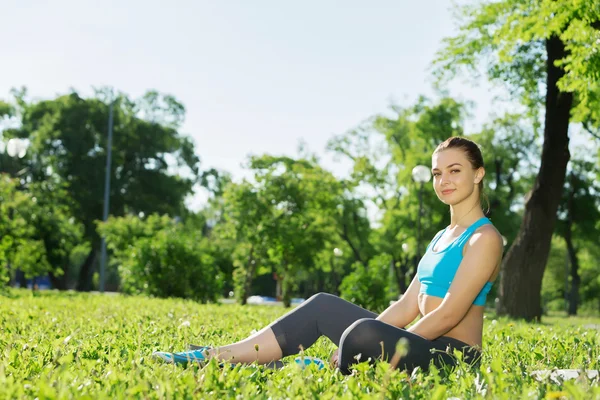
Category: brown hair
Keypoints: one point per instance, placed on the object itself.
(473, 153)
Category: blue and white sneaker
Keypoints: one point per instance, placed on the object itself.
(184, 357)
(304, 362)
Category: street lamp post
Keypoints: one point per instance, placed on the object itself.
(17, 148)
(421, 175)
(404, 264)
(337, 253)
(106, 195)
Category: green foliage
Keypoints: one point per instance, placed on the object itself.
(159, 257)
(384, 150)
(580, 204)
(507, 38)
(6, 109)
(91, 346)
(557, 276)
(511, 150)
(369, 286)
(68, 150)
(68, 144)
(20, 245)
(51, 216)
(281, 222)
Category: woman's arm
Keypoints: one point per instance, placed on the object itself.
(405, 310)
(483, 251)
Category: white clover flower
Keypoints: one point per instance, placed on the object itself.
(185, 324)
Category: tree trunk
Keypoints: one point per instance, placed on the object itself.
(278, 289)
(249, 276)
(59, 282)
(355, 250)
(521, 282)
(335, 280)
(84, 283)
(20, 277)
(575, 279)
(286, 291)
(401, 273)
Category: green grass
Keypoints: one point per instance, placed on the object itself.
(68, 345)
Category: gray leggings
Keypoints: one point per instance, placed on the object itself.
(356, 331)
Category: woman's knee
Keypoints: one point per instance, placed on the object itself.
(356, 344)
(360, 331)
(321, 298)
(358, 327)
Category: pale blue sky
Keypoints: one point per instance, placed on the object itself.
(255, 76)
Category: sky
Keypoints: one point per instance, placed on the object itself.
(255, 76)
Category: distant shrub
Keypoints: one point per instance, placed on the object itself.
(159, 257)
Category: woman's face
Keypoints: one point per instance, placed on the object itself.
(454, 178)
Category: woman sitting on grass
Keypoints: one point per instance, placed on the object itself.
(449, 291)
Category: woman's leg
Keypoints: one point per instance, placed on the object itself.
(377, 340)
(322, 314)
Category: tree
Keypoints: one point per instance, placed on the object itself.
(281, 222)
(547, 53)
(579, 212)
(304, 199)
(68, 144)
(20, 246)
(53, 223)
(245, 224)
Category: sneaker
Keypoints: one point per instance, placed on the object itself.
(183, 357)
(304, 362)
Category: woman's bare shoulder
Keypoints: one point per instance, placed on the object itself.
(487, 234)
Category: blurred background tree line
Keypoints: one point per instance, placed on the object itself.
(293, 228)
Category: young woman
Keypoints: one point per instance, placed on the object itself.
(448, 292)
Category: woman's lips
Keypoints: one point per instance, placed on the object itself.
(447, 192)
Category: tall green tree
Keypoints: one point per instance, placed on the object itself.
(54, 225)
(246, 221)
(20, 245)
(281, 222)
(304, 198)
(579, 212)
(547, 53)
(68, 142)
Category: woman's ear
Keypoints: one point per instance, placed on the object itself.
(479, 175)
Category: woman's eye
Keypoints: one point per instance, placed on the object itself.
(455, 171)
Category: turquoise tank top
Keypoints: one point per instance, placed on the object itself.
(436, 269)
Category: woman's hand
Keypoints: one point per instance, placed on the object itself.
(334, 361)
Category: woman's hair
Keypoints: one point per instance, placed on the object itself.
(473, 153)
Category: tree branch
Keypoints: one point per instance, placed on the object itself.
(587, 127)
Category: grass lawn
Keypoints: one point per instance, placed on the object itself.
(71, 345)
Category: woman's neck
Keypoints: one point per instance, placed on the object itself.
(465, 213)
